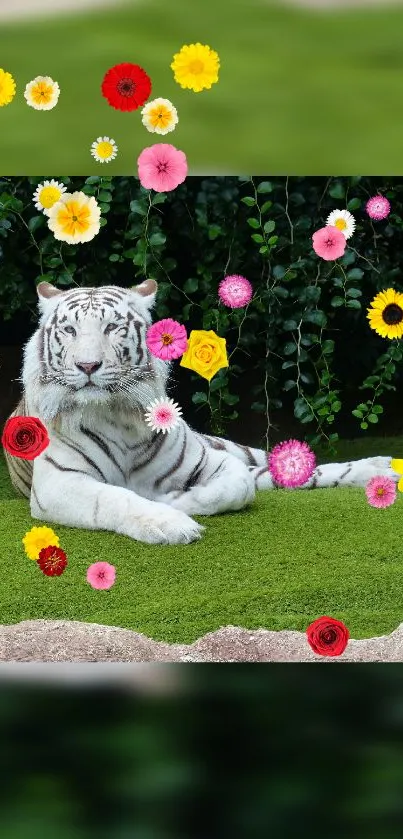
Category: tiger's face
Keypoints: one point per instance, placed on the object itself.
(92, 344)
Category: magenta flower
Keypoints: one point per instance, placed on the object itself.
(329, 242)
(167, 339)
(378, 207)
(101, 575)
(380, 491)
(235, 291)
(291, 463)
(162, 167)
(163, 415)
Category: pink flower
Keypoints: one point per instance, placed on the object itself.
(235, 291)
(378, 207)
(162, 415)
(291, 463)
(380, 491)
(166, 339)
(329, 242)
(162, 167)
(101, 575)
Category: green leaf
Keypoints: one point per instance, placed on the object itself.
(288, 325)
(248, 200)
(264, 187)
(157, 238)
(114, 257)
(373, 418)
(36, 222)
(354, 204)
(328, 347)
(355, 274)
(354, 304)
(336, 301)
(353, 292)
(257, 237)
(93, 179)
(337, 191)
(264, 248)
(290, 348)
(105, 196)
(137, 207)
(191, 284)
(253, 222)
(363, 425)
(377, 409)
(266, 206)
(318, 317)
(336, 406)
(357, 413)
(286, 364)
(289, 384)
(269, 226)
(199, 398)
(230, 398)
(159, 198)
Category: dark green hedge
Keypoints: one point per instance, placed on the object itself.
(304, 340)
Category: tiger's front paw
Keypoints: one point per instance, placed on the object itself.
(167, 527)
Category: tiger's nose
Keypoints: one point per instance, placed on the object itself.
(89, 366)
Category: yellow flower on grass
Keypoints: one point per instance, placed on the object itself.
(196, 67)
(47, 194)
(206, 353)
(104, 149)
(397, 465)
(386, 314)
(42, 93)
(75, 218)
(7, 88)
(160, 116)
(38, 538)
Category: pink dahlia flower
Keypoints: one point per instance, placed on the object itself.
(329, 242)
(166, 339)
(163, 415)
(291, 463)
(378, 207)
(101, 575)
(162, 167)
(235, 291)
(380, 491)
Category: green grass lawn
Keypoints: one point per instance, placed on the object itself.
(289, 559)
(300, 92)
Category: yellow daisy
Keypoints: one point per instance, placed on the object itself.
(397, 465)
(196, 67)
(38, 538)
(7, 88)
(386, 314)
(75, 218)
(160, 116)
(47, 194)
(42, 93)
(104, 149)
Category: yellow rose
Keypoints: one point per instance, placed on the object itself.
(206, 353)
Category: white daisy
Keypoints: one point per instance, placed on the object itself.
(159, 116)
(104, 149)
(47, 194)
(42, 93)
(162, 415)
(343, 220)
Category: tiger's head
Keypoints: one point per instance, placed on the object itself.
(90, 348)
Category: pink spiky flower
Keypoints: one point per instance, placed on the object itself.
(329, 242)
(378, 207)
(166, 339)
(291, 463)
(235, 291)
(380, 491)
(162, 415)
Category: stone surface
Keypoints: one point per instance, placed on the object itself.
(20, 9)
(71, 641)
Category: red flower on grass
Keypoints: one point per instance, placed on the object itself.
(52, 561)
(25, 437)
(126, 87)
(327, 636)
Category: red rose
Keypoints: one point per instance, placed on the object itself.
(52, 561)
(327, 636)
(25, 437)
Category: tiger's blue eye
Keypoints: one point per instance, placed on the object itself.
(110, 327)
(70, 330)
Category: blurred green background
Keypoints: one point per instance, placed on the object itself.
(300, 91)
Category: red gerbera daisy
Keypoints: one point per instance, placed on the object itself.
(52, 561)
(126, 86)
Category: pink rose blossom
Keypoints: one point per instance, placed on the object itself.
(291, 463)
(235, 291)
(378, 207)
(162, 167)
(380, 491)
(329, 242)
(166, 339)
(101, 575)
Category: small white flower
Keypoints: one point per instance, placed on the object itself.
(104, 149)
(343, 220)
(47, 194)
(162, 415)
(42, 93)
(159, 116)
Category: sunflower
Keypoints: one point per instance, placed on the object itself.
(7, 88)
(196, 67)
(386, 314)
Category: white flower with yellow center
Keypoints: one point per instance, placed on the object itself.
(75, 218)
(104, 149)
(47, 194)
(42, 93)
(343, 220)
(160, 116)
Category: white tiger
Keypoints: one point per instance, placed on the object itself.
(88, 375)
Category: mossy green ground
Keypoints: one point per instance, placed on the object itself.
(290, 558)
(300, 91)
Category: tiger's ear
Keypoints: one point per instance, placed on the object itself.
(46, 292)
(147, 290)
